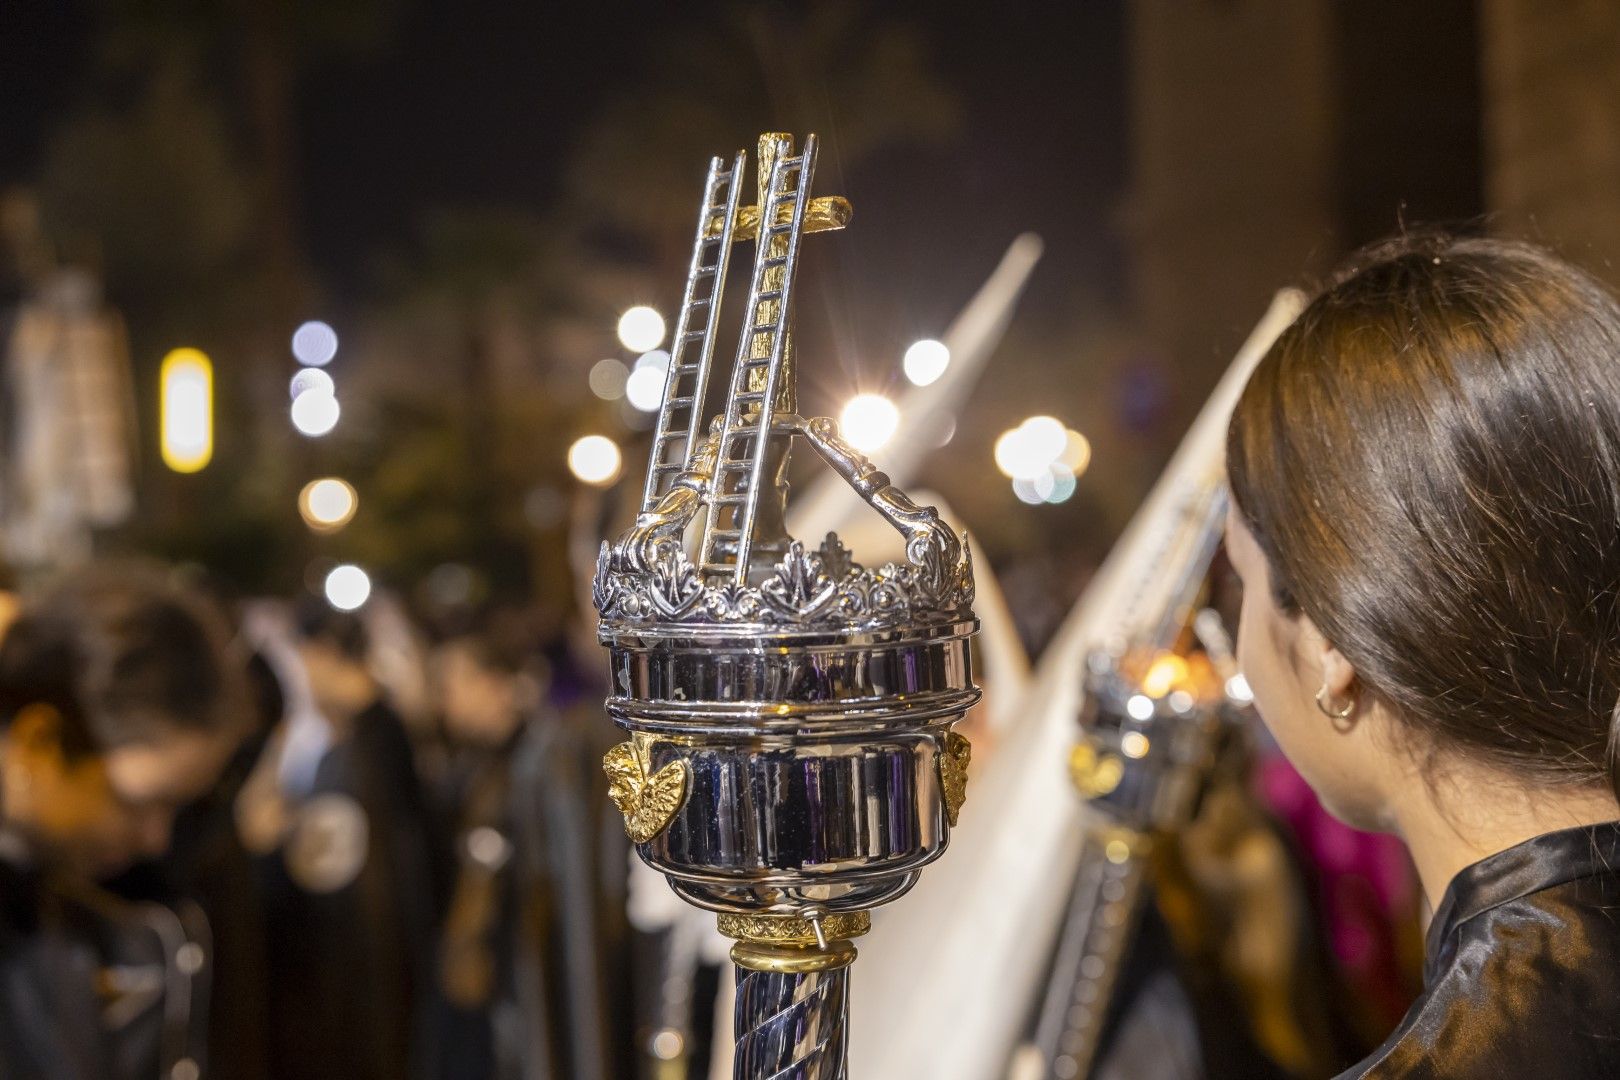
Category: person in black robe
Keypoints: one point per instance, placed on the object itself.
(121, 701)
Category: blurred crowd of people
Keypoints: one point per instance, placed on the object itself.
(274, 839)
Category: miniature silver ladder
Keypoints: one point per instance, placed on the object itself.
(757, 378)
(680, 420)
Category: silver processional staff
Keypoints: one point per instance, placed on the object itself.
(791, 762)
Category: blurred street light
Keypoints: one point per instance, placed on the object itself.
(1030, 450)
(186, 405)
(328, 504)
(315, 412)
(311, 379)
(347, 587)
(607, 379)
(1043, 458)
(595, 460)
(1076, 453)
(314, 344)
(641, 328)
(1045, 437)
(926, 361)
(644, 389)
(869, 421)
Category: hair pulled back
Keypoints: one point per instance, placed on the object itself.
(1430, 459)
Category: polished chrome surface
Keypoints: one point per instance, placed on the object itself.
(792, 1027)
(687, 385)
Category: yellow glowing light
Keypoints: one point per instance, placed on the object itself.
(1076, 453)
(186, 404)
(1164, 675)
(641, 328)
(595, 460)
(1134, 744)
(869, 421)
(327, 505)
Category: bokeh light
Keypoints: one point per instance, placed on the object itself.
(1076, 453)
(1237, 688)
(314, 344)
(186, 404)
(315, 412)
(641, 328)
(595, 460)
(311, 379)
(328, 504)
(926, 361)
(1025, 490)
(1045, 437)
(644, 389)
(347, 587)
(607, 379)
(868, 421)
(1043, 458)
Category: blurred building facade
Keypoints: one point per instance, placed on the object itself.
(1551, 74)
(1270, 137)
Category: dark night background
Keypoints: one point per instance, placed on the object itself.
(471, 193)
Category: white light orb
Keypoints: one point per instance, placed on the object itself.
(311, 379)
(1025, 490)
(328, 504)
(1237, 688)
(653, 358)
(607, 379)
(1019, 456)
(1045, 437)
(347, 587)
(868, 421)
(314, 344)
(641, 328)
(926, 361)
(595, 460)
(1140, 706)
(315, 412)
(644, 389)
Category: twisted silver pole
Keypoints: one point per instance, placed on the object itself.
(791, 1026)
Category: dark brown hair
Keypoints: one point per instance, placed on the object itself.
(124, 656)
(1430, 459)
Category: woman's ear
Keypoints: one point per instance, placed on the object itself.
(1338, 674)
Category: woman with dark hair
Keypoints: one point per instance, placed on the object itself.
(1425, 471)
(120, 702)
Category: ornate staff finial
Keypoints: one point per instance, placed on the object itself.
(791, 762)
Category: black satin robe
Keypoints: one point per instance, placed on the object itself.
(1522, 976)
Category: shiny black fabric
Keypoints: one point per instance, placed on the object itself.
(1522, 976)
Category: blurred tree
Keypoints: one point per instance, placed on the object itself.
(177, 179)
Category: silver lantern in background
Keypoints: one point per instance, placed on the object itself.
(790, 761)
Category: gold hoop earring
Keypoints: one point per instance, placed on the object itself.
(1338, 716)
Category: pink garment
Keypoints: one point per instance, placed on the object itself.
(1366, 889)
